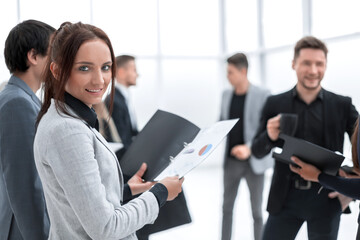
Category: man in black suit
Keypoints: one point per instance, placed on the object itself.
(174, 213)
(123, 113)
(323, 118)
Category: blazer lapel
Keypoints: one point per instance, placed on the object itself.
(226, 104)
(104, 142)
(247, 108)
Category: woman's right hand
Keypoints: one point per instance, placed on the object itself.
(305, 170)
(173, 185)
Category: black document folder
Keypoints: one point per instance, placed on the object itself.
(324, 159)
(162, 138)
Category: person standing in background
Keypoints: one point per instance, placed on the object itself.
(323, 119)
(22, 205)
(123, 112)
(243, 101)
(174, 213)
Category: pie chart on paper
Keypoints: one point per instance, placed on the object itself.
(205, 149)
(191, 150)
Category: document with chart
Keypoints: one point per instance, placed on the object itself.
(198, 150)
(172, 145)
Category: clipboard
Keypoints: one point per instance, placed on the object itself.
(161, 139)
(325, 160)
(172, 145)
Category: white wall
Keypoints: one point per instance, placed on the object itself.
(181, 45)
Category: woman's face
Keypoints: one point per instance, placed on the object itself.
(91, 72)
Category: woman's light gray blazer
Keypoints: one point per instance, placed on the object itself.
(83, 183)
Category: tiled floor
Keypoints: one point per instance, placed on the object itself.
(203, 190)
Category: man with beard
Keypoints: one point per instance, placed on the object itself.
(323, 118)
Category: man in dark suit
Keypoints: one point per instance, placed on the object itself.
(174, 213)
(22, 204)
(123, 112)
(323, 118)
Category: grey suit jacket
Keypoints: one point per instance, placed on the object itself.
(22, 204)
(83, 183)
(254, 102)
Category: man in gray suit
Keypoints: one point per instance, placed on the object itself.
(22, 205)
(244, 101)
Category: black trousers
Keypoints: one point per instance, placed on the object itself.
(321, 213)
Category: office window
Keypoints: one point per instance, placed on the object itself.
(279, 73)
(282, 21)
(241, 21)
(56, 12)
(189, 27)
(254, 74)
(131, 25)
(343, 73)
(191, 89)
(145, 94)
(333, 17)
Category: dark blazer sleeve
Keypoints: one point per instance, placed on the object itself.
(346, 186)
(350, 125)
(351, 120)
(22, 181)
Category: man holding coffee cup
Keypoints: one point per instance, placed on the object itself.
(322, 118)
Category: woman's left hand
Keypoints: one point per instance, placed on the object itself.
(137, 184)
(306, 171)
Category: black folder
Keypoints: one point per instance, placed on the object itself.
(325, 160)
(162, 138)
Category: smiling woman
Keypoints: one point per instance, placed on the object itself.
(82, 180)
(91, 73)
(80, 64)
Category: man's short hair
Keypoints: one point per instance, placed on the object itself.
(309, 42)
(239, 60)
(122, 60)
(30, 34)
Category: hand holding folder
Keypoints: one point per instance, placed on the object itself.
(168, 139)
(325, 160)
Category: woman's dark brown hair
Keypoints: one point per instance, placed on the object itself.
(354, 143)
(63, 49)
